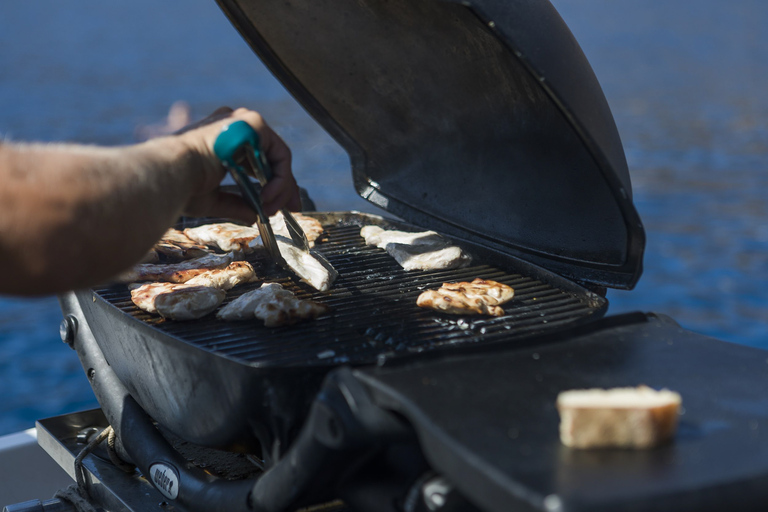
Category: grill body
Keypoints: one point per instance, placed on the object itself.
(244, 387)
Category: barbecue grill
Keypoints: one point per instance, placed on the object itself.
(481, 120)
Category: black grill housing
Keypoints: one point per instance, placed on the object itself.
(255, 384)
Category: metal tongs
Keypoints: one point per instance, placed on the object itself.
(239, 150)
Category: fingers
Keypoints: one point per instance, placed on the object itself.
(282, 190)
(279, 194)
(223, 204)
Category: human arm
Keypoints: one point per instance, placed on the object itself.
(72, 216)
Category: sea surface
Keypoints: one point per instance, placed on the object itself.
(687, 81)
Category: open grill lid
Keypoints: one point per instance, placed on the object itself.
(482, 120)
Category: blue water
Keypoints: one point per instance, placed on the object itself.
(687, 81)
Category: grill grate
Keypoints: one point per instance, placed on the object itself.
(374, 311)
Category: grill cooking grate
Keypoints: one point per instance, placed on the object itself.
(374, 311)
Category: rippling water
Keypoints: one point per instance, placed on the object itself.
(687, 81)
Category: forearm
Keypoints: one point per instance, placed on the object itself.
(74, 215)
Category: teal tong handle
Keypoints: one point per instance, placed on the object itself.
(236, 138)
(239, 140)
(236, 145)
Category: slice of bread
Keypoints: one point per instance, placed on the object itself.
(637, 418)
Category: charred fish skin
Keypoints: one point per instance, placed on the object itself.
(456, 303)
(493, 291)
(178, 272)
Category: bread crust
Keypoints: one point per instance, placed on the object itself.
(597, 418)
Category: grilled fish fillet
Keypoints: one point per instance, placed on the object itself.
(237, 272)
(418, 257)
(306, 266)
(426, 250)
(480, 297)
(226, 236)
(272, 304)
(178, 272)
(177, 246)
(152, 256)
(177, 301)
(311, 227)
(380, 237)
(195, 298)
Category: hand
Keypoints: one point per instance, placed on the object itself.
(209, 200)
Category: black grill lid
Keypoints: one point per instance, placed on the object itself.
(481, 119)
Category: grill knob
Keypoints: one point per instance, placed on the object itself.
(68, 330)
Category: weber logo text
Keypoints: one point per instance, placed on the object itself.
(165, 479)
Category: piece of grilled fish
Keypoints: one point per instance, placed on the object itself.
(306, 266)
(480, 297)
(237, 272)
(227, 236)
(176, 246)
(426, 250)
(178, 272)
(195, 298)
(312, 228)
(272, 304)
(177, 301)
